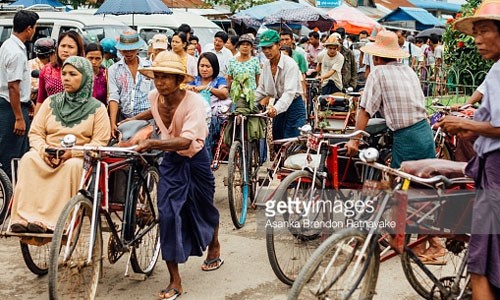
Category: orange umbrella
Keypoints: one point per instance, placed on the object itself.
(352, 20)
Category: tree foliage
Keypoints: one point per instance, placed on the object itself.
(237, 5)
(461, 55)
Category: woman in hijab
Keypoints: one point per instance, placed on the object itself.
(74, 111)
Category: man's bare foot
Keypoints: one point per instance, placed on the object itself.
(213, 261)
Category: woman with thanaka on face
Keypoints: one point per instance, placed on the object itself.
(69, 43)
(95, 54)
(214, 90)
(73, 111)
(179, 44)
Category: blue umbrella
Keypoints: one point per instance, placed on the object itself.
(28, 3)
(255, 16)
(127, 7)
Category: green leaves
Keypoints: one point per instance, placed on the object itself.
(465, 67)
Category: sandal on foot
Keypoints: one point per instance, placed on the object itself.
(432, 260)
(19, 227)
(165, 292)
(37, 227)
(212, 264)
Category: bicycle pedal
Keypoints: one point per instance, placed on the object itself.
(137, 276)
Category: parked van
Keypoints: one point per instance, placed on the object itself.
(52, 24)
(147, 25)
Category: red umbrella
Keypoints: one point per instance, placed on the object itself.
(352, 20)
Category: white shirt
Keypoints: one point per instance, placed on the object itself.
(368, 59)
(331, 63)
(413, 50)
(14, 66)
(279, 88)
(223, 57)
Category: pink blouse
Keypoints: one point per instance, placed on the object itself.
(188, 121)
(49, 82)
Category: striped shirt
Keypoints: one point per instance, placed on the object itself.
(394, 90)
(131, 96)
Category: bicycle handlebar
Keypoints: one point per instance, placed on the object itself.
(101, 149)
(322, 136)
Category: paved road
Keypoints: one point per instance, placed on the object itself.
(246, 273)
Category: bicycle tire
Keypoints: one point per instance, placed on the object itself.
(253, 167)
(36, 258)
(321, 260)
(66, 275)
(288, 249)
(420, 282)
(238, 191)
(145, 254)
(5, 194)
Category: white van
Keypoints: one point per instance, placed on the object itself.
(52, 24)
(147, 25)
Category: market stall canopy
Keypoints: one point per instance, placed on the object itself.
(307, 16)
(127, 7)
(30, 3)
(352, 20)
(418, 18)
(284, 12)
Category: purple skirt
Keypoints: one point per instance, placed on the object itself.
(484, 245)
(187, 214)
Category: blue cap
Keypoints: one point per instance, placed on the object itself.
(108, 45)
(129, 40)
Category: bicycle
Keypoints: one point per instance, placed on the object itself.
(34, 247)
(336, 112)
(320, 181)
(346, 265)
(76, 249)
(313, 91)
(243, 168)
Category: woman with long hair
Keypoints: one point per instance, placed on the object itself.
(214, 89)
(179, 45)
(69, 43)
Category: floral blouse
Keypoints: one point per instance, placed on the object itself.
(243, 75)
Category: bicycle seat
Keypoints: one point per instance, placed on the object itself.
(299, 160)
(132, 132)
(375, 125)
(426, 168)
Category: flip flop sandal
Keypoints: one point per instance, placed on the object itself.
(37, 227)
(19, 227)
(167, 291)
(206, 264)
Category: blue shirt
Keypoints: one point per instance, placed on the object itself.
(215, 102)
(131, 96)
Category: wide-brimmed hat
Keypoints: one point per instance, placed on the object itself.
(245, 38)
(488, 10)
(268, 38)
(386, 45)
(129, 40)
(332, 40)
(160, 41)
(169, 63)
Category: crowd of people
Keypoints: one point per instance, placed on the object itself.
(89, 89)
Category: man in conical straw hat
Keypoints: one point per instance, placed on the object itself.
(188, 218)
(393, 89)
(484, 244)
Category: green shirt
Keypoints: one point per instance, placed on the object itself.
(300, 60)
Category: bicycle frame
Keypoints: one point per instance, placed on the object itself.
(99, 163)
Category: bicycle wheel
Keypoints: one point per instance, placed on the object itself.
(147, 249)
(36, 257)
(238, 189)
(72, 273)
(5, 194)
(291, 235)
(253, 167)
(340, 269)
(445, 267)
